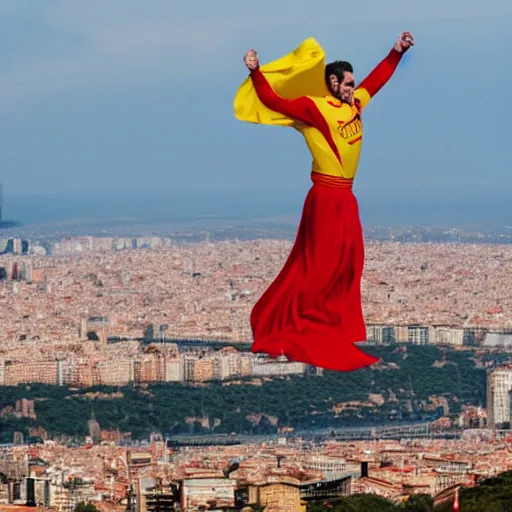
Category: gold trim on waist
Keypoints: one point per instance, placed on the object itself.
(331, 181)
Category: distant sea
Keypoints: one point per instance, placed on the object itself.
(469, 206)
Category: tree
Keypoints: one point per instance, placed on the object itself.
(356, 503)
(491, 495)
(85, 507)
(419, 503)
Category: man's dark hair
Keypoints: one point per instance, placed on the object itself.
(337, 68)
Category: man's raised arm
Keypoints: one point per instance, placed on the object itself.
(374, 82)
(300, 109)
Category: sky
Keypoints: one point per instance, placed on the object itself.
(134, 99)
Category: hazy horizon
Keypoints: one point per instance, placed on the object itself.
(409, 205)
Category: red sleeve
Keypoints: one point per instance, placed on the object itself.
(301, 109)
(374, 82)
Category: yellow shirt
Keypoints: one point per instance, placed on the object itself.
(333, 130)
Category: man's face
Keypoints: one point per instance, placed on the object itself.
(343, 90)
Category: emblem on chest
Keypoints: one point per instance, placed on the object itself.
(351, 129)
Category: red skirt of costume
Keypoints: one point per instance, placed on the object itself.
(312, 311)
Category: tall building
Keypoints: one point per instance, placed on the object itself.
(499, 388)
(94, 430)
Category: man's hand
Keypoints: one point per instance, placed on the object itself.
(251, 60)
(404, 42)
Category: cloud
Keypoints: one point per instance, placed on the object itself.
(76, 44)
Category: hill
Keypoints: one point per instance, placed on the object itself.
(413, 383)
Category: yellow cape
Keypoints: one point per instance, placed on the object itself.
(300, 73)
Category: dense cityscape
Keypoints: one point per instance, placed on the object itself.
(201, 310)
(87, 319)
(208, 289)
